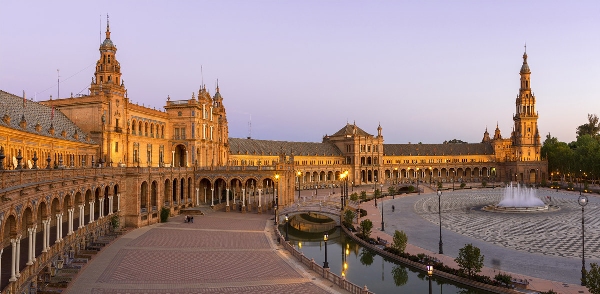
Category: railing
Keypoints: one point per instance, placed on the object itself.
(325, 273)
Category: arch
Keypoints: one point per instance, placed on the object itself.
(190, 192)
(180, 156)
(174, 193)
(220, 190)
(105, 203)
(144, 197)
(146, 129)
(116, 194)
(182, 190)
(140, 128)
(154, 196)
(54, 210)
(167, 192)
(65, 211)
(77, 214)
(133, 124)
(205, 192)
(97, 197)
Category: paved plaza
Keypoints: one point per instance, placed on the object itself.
(218, 253)
(543, 247)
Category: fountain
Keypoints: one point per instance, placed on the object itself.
(519, 199)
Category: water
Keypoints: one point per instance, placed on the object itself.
(520, 197)
(362, 267)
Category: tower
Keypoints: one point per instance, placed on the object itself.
(107, 76)
(525, 137)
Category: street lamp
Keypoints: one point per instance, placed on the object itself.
(382, 224)
(583, 202)
(325, 264)
(275, 198)
(418, 191)
(429, 274)
(287, 224)
(439, 192)
(342, 177)
(299, 174)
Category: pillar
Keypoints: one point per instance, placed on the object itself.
(110, 204)
(212, 197)
(58, 227)
(18, 260)
(71, 212)
(227, 208)
(81, 215)
(197, 196)
(118, 201)
(91, 212)
(30, 248)
(13, 243)
(45, 235)
(259, 197)
(101, 208)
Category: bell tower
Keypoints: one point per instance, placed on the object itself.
(525, 137)
(108, 70)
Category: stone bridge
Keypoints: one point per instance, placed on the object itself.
(326, 207)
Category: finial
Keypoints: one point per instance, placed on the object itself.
(107, 27)
(217, 85)
(525, 47)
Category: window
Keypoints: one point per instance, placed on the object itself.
(116, 146)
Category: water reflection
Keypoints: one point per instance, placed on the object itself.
(348, 259)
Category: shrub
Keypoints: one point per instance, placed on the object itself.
(354, 196)
(349, 216)
(506, 279)
(365, 228)
(399, 241)
(462, 185)
(483, 184)
(164, 214)
(363, 195)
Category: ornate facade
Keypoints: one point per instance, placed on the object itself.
(68, 166)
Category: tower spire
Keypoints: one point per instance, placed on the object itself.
(107, 27)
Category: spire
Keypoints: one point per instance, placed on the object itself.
(525, 66)
(107, 28)
(217, 85)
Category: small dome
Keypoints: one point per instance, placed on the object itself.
(525, 68)
(108, 42)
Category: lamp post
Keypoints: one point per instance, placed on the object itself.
(275, 198)
(325, 264)
(299, 174)
(382, 224)
(429, 274)
(287, 224)
(343, 190)
(439, 193)
(583, 202)
(418, 191)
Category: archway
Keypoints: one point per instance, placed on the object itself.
(180, 156)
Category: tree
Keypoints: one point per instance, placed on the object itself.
(377, 193)
(592, 279)
(366, 257)
(455, 141)
(469, 260)
(365, 228)
(399, 241)
(392, 190)
(400, 275)
(363, 195)
(592, 127)
(506, 279)
(354, 196)
(349, 216)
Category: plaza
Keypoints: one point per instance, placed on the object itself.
(545, 246)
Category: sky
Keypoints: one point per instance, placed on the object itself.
(427, 71)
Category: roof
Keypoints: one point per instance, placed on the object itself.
(348, 129)
(438, 149)
(36, 113)
(268, 147)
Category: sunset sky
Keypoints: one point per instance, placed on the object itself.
(428, 71)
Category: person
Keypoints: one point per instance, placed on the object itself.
(192, 219)
(393, 208)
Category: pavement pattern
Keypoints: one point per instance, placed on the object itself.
(218, 253)
(541, 248)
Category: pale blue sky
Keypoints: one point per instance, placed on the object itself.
(429, 71)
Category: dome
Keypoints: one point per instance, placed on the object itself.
(525, 68)
(108, 42)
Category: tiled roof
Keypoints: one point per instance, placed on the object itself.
(35, 113)
(348, 130)
(438, 149)
(267, 147)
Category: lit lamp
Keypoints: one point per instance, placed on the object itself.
(287, 224)
(382, 224)
(299, 174)
(275, 199)
(439, 193)
(325, 264)
(429, 274)
(583, 202)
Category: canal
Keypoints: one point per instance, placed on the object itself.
(363, 267)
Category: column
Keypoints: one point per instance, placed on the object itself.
(212, 197)
(204, 195)
(81, 215)
(91, 212)
(101, 208)
(30, 247)
(243, 197)
(118, 201)
(18, 260)
(13, 243)
(259, 198)
(227, 198)
(45, 236)
(186, 158)
(173, 161)
(58, 226)
(197, 196)
(71, 212)
(110, 204)
(47, 232)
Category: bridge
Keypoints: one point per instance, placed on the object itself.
(322, 205)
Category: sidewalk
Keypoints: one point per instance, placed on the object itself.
(536, 284)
